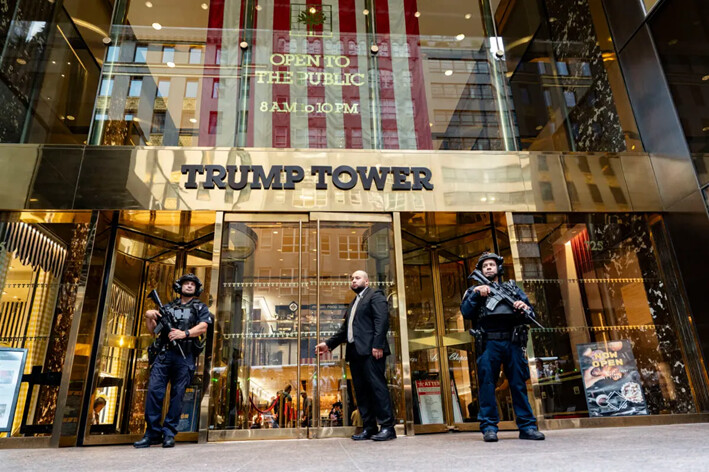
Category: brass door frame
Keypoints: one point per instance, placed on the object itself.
(318, 431)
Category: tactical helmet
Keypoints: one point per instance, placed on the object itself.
(177, 286)
(490, 255)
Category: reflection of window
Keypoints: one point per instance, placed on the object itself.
(188, 121)
(351, 247)
(595, 193)
(141, 54)
(618, 195)
(570, 98)
(215, 88)
(136, 83)
(547, 192)
(106, 87)
(191, 89)
(168, 54)
(263, 277)
(325, 244)
(195, 55)
(288, 281)
(163, 88)
(213, 121)
(112, 53)
(158, 125)
(290, 240)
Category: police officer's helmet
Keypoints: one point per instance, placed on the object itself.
(177, 286)
(490, 255)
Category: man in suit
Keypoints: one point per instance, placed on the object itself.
(365, 332)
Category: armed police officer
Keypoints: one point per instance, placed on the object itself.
(500, 328)
(174, 352)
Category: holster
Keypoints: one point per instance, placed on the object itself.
(520, 335)
(480, 340)
(153, 352)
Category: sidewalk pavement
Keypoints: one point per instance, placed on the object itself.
(642, 448)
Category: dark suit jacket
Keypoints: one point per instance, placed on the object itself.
(370, 325)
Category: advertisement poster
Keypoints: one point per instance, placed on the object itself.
(190, 404)
(431, 404)
(611, 379)
(12, 364)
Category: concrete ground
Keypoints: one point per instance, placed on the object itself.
(655, 448)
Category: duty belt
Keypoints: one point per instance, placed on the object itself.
(499, 336)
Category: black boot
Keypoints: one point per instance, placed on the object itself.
(490, 436)
(385, 434)
(531, 433)
(146, 442)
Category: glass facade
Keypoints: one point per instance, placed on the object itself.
(524, 116)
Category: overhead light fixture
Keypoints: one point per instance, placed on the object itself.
(705, 129)
(448, 72)
(21, 61)
(157, 26)
(170, 64)
(705, 78)
(62, 75)
(106, 40)
(259, 7)
(205, 6)
(672, 42)
(193, 120)
(149, 4)
(539, 128)
(244, 45)
(374, 49)
(483, 199)
(417, 14)
(365, 11)
(460, 37)
(313, 10)
(468, 16)
(70, 117)
(54, 62)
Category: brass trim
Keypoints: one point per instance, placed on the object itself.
(622, 421)
(352, 217)
(251, 434)
(403, 326)
(445, 377)
(316, 393)
(431, 428)
(26, 443)
(113, 439)
(299, 355)
(264, 217)
(204, 407)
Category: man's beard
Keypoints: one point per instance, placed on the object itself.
(358, 290)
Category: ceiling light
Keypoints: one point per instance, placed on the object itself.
(460, 37)
(448, 72)
(275, 232)
(259, 7)
(68, 63)
(417, 14)
(170, 64)
(483, 199)
(705, 129)
(468, 16)
(54, 62)
(539, 128)
(672, 42)
(106, 40)
(365, 11)
(21, 61)
(70, 117)
(313, 10)
(149, 4)
(705, 78)
(157, 26)
(194, 120)
(205, 6)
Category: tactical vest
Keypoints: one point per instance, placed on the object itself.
(495, 306)
(187, 317)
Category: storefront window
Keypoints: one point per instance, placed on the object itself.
(610, 345)
(42, 262)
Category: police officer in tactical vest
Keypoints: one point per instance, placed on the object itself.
(175, 362)
(500, 330)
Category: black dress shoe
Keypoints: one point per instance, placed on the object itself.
(169, 441)
(146, 442)
(385, 434)
(364, 435)
(531, 433)
(490, 436)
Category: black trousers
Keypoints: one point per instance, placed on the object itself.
(371, 390)
(169, 367)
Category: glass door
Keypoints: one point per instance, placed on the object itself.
(284, 287)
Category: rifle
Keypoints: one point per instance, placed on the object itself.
(166, 323)
(503, 292)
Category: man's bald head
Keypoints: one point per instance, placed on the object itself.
(359, 280)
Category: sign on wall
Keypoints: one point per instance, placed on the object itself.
(12, 365)
(611, 379)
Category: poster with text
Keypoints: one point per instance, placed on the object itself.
(430, 402)
(611, 379)
(12, 364)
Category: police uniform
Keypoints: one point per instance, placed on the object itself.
(500, 347)
(170, 366)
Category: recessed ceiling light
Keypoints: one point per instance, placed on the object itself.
(205, 6)
(54, 62)
(70, 117)
(460, 37)
(539, 128)
(468, 16)
(68, 63)
(170, 64)
(705, 129)
(157, 26)
(21, 61)
(705, 78)
(483, 199)
(448, 72)
(149, 4)
(417, 14)
(193, 120)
